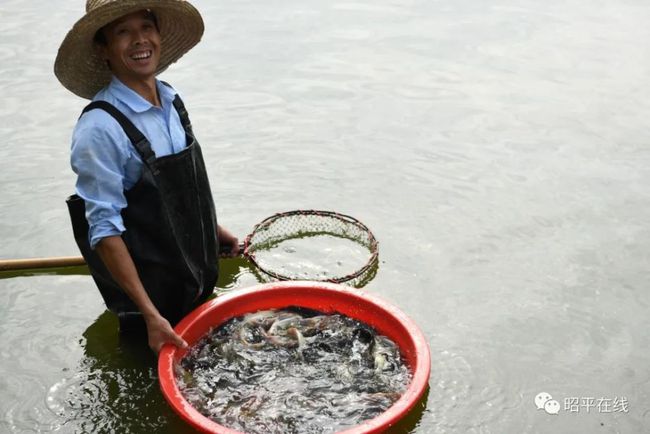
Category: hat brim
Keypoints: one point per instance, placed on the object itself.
(81, 69)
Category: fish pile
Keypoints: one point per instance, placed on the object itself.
(293, 370)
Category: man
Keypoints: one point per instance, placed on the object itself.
(143, 215)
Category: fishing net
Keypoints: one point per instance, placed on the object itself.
(313, 245)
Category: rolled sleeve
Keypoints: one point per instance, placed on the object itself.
(98, 157)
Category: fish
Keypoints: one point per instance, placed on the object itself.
(252, 337)
(184, 375)
(283, 322)
(294, 332)
(330, 368)
(262, 318)
(384, 353)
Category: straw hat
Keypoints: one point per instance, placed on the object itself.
(81, 69)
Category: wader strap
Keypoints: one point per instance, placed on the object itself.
(182, 112)
(136, 137)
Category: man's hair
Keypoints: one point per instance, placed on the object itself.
(100, 37)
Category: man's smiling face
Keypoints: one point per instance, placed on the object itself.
(132, 47)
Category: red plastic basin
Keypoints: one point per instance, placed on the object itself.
(325, 297)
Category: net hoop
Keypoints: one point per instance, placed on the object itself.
(368, 240)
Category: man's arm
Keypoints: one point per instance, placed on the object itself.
(119, 263)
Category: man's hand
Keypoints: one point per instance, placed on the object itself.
(118, 261)
(228, 239)
(160, 332)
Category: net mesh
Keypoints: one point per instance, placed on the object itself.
(272, 235)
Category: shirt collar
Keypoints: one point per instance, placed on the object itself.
(133, 100)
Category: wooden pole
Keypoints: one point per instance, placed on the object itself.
(61, 261)
(34, 263)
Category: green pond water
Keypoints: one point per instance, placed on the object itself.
(499, 151)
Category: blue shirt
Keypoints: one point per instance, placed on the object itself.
(105, 161)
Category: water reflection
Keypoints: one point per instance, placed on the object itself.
(82, 378)
(412, 420)
(114, 388)
(497, 149)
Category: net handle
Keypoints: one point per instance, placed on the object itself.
(225, 250)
